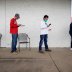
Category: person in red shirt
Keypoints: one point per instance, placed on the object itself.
(14, 31)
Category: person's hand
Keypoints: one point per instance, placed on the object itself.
(19, 24)
(22, 25)
(49, 24)
(49, 29)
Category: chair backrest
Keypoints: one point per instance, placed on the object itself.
(22, 37)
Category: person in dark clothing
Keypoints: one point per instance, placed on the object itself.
(70, 32)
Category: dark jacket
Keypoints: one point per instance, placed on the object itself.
(70, 31)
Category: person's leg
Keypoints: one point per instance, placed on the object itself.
(14, 42)
(45, 41)
(16, 36)
(41, 42)
(12, 47)
(71, 41)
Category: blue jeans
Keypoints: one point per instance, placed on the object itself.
(14, 41)
(43, 38)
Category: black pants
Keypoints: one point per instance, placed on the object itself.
(43, 38)
(71, 41)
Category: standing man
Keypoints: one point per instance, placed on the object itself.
(14, 31)
(70, 32)
(44, 33)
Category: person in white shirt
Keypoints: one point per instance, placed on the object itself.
(44, 33)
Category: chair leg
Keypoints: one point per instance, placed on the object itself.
(19, 47)
(26, 45)
(29, 47)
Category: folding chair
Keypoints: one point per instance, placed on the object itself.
(23, 38)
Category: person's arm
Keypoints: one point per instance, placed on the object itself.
(49, 25)
(13, 24)
(46, 27)
(70, 29)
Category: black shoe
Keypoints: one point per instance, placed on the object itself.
(16, 51)
(48, 50)
(12, 51)
(40, 51)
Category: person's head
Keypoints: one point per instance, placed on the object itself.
(17, 16)
(45, 18)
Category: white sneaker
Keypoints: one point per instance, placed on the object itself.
(70, 48)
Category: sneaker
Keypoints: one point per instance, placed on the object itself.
(40, 51)
(48, 50)
(12, 51)
(70, 48)
(16, 51)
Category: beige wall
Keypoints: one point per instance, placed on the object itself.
(31, 12)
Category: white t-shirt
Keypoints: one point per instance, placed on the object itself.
(44, 28)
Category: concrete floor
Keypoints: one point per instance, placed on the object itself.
(59, 60)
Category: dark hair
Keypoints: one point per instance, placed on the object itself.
(46, 16)
(16, 15)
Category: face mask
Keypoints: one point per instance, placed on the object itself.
(45, 20)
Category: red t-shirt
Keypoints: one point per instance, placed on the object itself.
(13, 26)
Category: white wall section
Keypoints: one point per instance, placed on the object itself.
(2, 22)
(31, 13)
